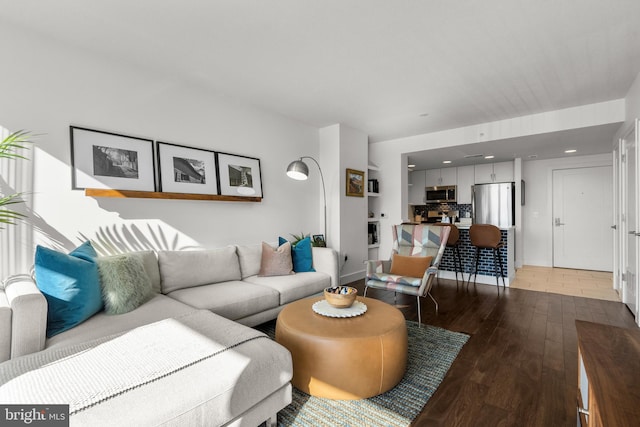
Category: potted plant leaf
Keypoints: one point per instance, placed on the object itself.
(10, 148)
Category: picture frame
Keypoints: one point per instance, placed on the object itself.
(109, 160)
(239, 175)
(355, 183)
(318, 240)
(183, 169)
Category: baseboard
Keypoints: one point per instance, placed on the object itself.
(352, 277)
(486, 280)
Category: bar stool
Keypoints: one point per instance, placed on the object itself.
(454, 244)
(487, 236)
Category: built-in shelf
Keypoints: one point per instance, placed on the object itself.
(375, 219)
(373, 194)
(373, 167)
(376, 245)
(100, 192)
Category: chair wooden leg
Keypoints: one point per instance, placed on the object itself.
(419, 312)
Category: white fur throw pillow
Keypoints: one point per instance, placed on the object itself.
(124, 282)
(276, 262)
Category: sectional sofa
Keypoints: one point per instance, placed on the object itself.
(184, 357)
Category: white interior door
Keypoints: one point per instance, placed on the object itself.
(582, 236)
(615, 220)
(629, 231)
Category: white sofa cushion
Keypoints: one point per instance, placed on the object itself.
(101, 325)
(186, 269)
(250, 257)
(5, 327)
(295, 286)
(232, 300)
(213, 391)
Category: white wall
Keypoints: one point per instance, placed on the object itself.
(45, 87)
(389, 155)
(342, 147)
(632, 101)
(537, 213)
(353, 210)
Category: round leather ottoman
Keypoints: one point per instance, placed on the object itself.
(344, 358)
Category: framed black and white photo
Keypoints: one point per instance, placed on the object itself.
(186, 169)
(239, 175)
(109, 160)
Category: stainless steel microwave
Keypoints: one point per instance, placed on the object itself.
(441, 194)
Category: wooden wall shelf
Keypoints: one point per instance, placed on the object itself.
(99, 192)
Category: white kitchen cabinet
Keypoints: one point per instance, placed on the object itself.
(483, 173)
(466, 179)
(416, 189)
(432, 178)
(493, 172)
(503, 172)
(435, 177)
(448, 176)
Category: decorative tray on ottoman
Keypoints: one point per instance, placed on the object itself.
(323, 308)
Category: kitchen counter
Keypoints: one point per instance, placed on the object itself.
(467, 226)
(486, 271)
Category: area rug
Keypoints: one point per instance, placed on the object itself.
(431, 352)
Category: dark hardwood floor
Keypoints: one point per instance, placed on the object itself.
(519, 368)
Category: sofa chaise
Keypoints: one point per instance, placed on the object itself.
(222, 372)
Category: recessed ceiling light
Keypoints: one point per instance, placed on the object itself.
(532, 156)
(489, 157)
(446, 162)
(411, 166)
(570, 151)
(424, 114)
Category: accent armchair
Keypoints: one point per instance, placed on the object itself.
(410, 240)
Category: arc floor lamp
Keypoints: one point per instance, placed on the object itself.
(300, 171)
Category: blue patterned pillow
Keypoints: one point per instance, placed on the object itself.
(71, 285)
(301, 254)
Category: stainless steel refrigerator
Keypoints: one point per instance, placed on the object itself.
(494, 204)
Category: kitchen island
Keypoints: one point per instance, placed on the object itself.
(486, 271)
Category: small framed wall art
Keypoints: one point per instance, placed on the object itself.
(355, 183)
(186, 169)
(239, 175)
(109, 160)
(318, 240)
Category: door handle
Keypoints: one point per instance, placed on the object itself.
(633, 232)
(638, 234)
(614, 227)
(558, 223)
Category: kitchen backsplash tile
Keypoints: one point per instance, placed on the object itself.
(461, 208)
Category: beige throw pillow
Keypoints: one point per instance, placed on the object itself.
(276, 262)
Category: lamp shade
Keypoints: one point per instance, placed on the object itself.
(298, 170)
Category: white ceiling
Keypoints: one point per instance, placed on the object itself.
(375, 65)
(587, 141)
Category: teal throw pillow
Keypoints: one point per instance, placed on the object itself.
(301, 254)
(125, 284)
(71, 285)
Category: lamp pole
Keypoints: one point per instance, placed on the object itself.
(324, 194)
